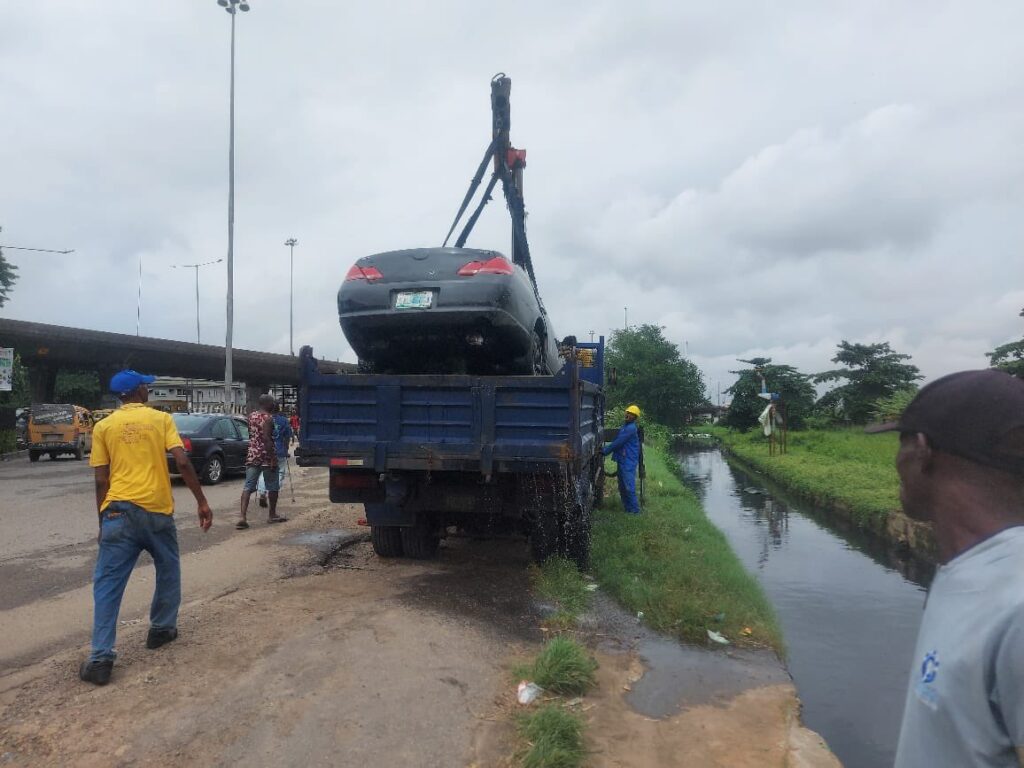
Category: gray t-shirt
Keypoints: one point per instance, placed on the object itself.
(965, 701)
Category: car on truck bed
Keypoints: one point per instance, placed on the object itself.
(445, 310)
(426, 454)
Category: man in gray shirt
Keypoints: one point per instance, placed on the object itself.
(961, 466)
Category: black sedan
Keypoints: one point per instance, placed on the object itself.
(445, 310)
(216, 444)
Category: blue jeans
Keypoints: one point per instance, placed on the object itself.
(627, 488)
(269, 475)
(126, 531)
(282, 473)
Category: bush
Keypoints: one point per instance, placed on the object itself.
(564, 667)
(555, 738)
(892, 407)
(8, 440)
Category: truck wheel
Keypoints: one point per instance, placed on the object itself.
(33, 456)
(213, 470)
(386, 540)
(420, 541)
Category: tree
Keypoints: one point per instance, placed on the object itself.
(78, 387)
(19, 396)
(1009, 357)
(794, 387)
(872, 372)
(8, 275)
(651, 373)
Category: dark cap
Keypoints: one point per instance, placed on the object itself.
(978, 415)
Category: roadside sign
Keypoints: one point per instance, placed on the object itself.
(6, 369)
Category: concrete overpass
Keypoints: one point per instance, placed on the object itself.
(46, 349)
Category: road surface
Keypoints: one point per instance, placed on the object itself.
(48, 519)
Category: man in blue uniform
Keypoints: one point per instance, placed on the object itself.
(625, 449)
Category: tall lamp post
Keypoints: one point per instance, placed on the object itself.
(196, 267)
(291, 242)
(232, 7)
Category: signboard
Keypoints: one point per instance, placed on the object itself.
(6, 369)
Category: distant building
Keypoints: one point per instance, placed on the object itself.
(178, 394)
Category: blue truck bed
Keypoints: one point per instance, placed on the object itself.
(488, 455)
(489, 425)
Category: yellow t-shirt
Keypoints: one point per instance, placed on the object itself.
(134, 441)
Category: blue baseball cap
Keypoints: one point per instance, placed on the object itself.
(127, 381)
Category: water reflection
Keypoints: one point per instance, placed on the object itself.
(848, 604)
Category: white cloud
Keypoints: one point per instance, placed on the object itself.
(759, 180)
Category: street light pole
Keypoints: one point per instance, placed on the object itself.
(196, 268)
(291, 242)
(232, 7)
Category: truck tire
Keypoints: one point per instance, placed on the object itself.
(33, 456)
(386, 540)
(213, 470)
(421, 541)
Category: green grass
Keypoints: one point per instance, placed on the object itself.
(554, 738)
(673, 564)
(564, 667)
(559, 581)
(840, 468)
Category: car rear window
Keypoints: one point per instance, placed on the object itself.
(53, 414)
(186, 422)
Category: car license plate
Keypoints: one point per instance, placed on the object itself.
(414, 300)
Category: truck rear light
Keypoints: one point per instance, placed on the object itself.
(499, 265)
(363, 273)
(187, 444)
(353, 480)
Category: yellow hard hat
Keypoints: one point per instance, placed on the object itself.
(634, 409)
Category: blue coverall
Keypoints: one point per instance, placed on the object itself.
(625, 449)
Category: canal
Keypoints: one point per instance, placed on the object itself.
(848, 606)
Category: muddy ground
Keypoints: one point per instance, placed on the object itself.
(299, 647)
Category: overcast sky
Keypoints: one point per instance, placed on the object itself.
(759, 178)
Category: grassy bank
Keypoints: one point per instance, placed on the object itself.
(676, 567)
(841, 468)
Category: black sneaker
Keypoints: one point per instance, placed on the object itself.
(96, 672)
(158, 637)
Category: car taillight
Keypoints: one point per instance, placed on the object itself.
(363, 273)
(499, 265)
(187, 443)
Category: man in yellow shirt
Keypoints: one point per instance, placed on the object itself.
(136, 508)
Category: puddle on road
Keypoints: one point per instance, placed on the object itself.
(325, 542)
(678, 676)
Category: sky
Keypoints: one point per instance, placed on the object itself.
(759, 178)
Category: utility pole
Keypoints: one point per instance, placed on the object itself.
(196, 268)
(591, 337)
(625, 318)
(291, 242)
(232, 7)
(138, 306)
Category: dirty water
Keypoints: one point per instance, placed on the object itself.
(677, 676)
(849, 608)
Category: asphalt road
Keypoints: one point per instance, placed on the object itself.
(48, 519)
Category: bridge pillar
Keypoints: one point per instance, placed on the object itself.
(42, 381)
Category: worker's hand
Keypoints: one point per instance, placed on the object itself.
(205, 515)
